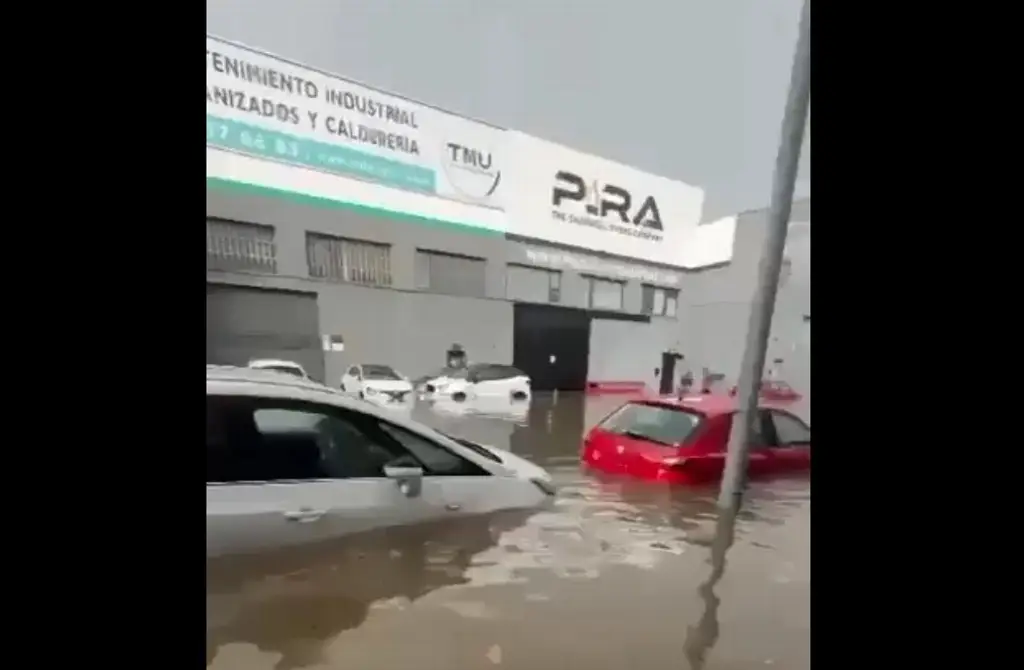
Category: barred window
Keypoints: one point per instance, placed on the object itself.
(342, 260)
(658, 301)
(450, 273)
(531, 284)
(605, 293)
(232, 246)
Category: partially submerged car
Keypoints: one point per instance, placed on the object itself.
(379, 384)
(479, 380)
(683, 441)
(276, 365)
(291, 462)
(775, 389)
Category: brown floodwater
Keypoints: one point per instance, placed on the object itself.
(614, 574)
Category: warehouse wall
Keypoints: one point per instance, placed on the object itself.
(717, 301)
(408, 328)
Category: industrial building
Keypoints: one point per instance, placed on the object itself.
(346, 225)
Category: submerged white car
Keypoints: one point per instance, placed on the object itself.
(479, 380)
(276, 365)
(290, 461)
(379, 384)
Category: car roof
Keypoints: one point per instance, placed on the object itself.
(710, 404)
(256, 362)
(237, 381)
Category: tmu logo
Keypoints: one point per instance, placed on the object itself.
(472, 171)
(607, 207)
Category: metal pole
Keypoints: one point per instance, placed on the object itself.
(794, 122)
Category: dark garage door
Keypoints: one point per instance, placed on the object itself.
(243, 323)
(543, 331)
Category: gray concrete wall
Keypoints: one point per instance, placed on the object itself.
(717, 301)
(408, 328)
(619, 350)
(411, 329)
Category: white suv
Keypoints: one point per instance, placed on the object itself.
(289, 461)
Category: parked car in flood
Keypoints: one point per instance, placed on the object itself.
(379, 384)
(276, 365)
(478, 380)
(684, 440)
(291, 461)
(774, 389)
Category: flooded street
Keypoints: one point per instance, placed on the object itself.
(614, 574)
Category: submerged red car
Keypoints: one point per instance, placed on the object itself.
(684, 440)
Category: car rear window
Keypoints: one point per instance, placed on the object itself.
(658, 423)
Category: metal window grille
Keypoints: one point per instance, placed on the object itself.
(605, 293)
(658, 301)
(523, 282)
(343, 260)
(451, 274)
(240, 247)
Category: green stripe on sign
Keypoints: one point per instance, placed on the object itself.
(264, 143)
(327, 203)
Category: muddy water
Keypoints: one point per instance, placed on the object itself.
(616, 574)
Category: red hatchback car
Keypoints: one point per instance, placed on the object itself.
(684, 441)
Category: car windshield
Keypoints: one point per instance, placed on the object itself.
(657, 423)
(379, 372)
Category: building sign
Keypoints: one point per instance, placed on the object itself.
(602, 267)
(556, 194)
(263, 106)
(605, 207)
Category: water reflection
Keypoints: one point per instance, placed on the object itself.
(504, 409)
(616, 570)
(701, 638)
(290, 603)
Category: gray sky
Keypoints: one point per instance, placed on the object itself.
(689, 89)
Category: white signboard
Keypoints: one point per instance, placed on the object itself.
(599, 266)
(276, 110)
(560, 195)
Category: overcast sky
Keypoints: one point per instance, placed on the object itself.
(689, 89)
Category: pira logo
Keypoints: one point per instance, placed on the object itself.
(602, 200)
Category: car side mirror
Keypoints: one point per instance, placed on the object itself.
(407, 474)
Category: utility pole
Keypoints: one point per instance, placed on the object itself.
(759, 325)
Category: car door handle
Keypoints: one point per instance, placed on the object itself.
(305, 515)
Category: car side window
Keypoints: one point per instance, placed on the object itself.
(436, 459)
(759, 436)
(508, 372)
(491, 373)
(789, 429)
(264, 440)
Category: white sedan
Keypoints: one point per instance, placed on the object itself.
(477, 381)
(276, 365)
(379, 384)
(290, 461)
